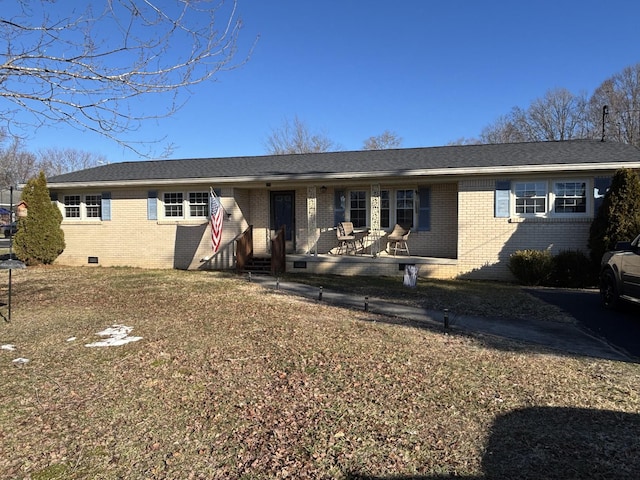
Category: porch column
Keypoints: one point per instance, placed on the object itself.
(375, 219)
(312, 241)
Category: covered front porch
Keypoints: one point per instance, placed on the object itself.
(307, 226)
(370, 260)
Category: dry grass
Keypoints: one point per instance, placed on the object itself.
(235, 381)
(484, 299)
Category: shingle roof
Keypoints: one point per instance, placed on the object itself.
(397, 162)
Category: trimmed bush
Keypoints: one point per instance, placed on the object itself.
(572, 269)
(531, 267)
(39, 238)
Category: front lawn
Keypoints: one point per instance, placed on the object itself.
(230, 380)
(465, 297)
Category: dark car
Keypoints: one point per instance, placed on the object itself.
(620, 274)
(9, 229)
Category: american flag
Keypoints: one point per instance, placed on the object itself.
(216, 210)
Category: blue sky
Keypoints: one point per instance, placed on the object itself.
(432, 71)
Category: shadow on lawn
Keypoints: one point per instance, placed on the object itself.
(556, 443)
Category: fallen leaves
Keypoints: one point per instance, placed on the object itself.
(233, 381)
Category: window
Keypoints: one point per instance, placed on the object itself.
(531, 197)
(548, 198)
(396, 206)
(173, 205)
(93, 204)
(198, 204)
(358, 208)
(385, 209)
(570, 197)
(404, 208)
(180, 205)
(72, 206)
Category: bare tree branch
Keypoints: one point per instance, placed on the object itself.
(621, 94)
(559, 115)
(17, 165)
(84, 67)
(295, 137)
(56, 161)
(384, 141)
(611, 113)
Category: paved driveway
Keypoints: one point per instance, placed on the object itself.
(620, 328)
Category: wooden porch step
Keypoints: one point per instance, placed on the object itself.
(258, 265)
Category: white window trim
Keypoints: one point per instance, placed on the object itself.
(545, 196)
(393, 218)
(550, 196)
(588, 193)
(84, 206)
(186, 210)
(367, 199)
(392, 205)
(392, 210)
(62, 206)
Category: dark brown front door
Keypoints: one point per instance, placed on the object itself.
(283, 213)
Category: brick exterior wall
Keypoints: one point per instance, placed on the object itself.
(130, 239)
(441, 240)
(464, 232)
(258, 216)
(486, 242)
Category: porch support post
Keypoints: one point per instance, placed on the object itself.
(375, 219)
(312, 241)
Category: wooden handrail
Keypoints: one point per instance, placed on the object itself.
(244, 248)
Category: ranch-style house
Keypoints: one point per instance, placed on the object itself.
(463, 209)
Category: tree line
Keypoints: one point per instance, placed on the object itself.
(18, 164)
(295, 136)
(611, 113)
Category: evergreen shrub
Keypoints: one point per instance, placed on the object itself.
(618, 218)
(39, 239)
(572, 269)
(531, 267)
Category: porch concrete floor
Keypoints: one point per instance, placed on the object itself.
(367, 264)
